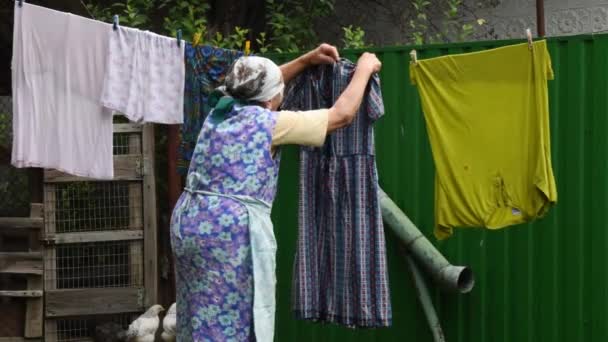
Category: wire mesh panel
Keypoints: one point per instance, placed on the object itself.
(95, 265)
(95, 238)
(107, 328)
(93, 206)
(126, 143)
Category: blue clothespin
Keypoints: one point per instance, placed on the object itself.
(116, 22)
(179, 38)
(20, 3)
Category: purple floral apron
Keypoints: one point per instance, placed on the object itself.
(222, 235)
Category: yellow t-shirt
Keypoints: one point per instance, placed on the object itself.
(487, 116)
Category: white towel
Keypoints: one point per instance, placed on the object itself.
(58, 69)
(145, 78)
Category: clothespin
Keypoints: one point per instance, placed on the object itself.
(247, 47)
(179, 38)
(529, 36)
(414, 56)
(197, 38)
(115, 22)
(20, 3)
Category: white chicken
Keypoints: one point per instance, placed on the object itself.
(169, 325)
(144, 327)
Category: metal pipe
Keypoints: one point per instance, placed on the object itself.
(540, 18)
(452, 278)
(425, 299)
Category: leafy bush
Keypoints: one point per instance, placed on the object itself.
(353, 37)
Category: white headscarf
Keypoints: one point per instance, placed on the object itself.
(253, 78)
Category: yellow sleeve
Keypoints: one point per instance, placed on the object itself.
(547, 58)
(301, 128)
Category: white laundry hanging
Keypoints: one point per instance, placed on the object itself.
(58, 69)
(145, 76)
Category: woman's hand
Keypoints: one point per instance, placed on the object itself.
(323, 54)
(343, 112)
(369, 62)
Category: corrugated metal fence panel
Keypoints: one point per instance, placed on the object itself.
(544, 281)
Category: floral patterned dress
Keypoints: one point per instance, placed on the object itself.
(210, 234)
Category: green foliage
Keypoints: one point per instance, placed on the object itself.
(419, 24)
(189, 16)
(283, 38)
(290, 23)
(353, 37)
(5, 129)
(132, 13)
(135, 13)
(452, 26)
(99, 12)
(235, 41)
(262, 43)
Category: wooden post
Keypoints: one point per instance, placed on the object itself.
(135, 218)
(540, 18)
(50, 267)
(173, 178)
(33, 312)
(174, 188)
(150, 220)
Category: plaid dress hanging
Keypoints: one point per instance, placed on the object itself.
(340, 273)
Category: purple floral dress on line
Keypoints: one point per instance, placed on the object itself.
(210, 234)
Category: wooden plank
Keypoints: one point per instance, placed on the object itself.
(21, 222)
(50, 269)
(50, 330)
(127, 128)
(150, 219)
(33, 307)
(126, 167)
(115, 235)
(18, 339)
(20, 255)
(136, 255)
(22, 294)
(61, 303)
(33, 267)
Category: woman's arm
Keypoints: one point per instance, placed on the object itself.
(324, 54)
(342, 113)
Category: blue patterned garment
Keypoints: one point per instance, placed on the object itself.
(340, 273)
(206, 68)
(210, 234)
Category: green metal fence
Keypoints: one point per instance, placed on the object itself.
(544, 281)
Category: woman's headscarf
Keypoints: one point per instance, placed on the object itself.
(254, 79)
(250, 79)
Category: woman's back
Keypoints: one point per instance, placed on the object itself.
(233, 156)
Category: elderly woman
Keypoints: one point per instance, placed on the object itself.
(221, 231)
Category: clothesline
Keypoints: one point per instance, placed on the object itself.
(116, 24)
(414, 53)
